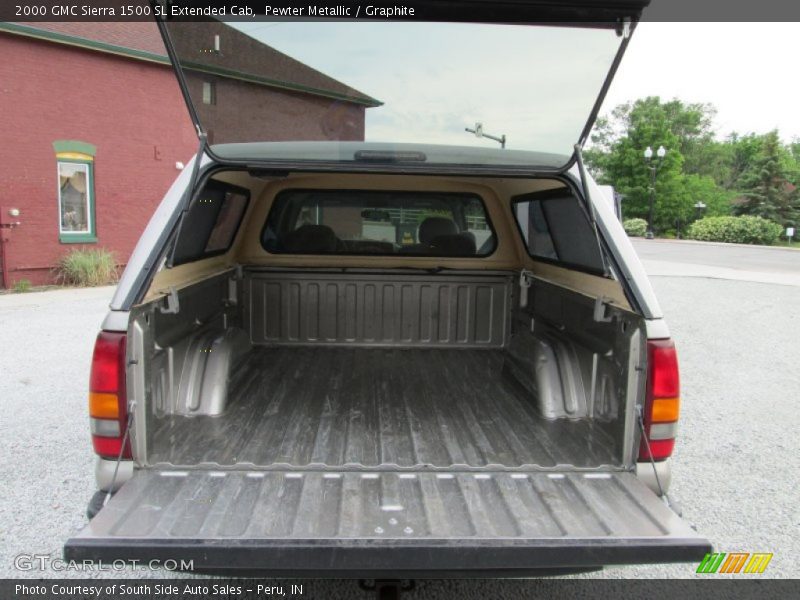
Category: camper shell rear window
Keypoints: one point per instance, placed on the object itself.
(378, 222)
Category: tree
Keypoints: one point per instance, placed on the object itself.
(793, 162)
(743, 151)
(744, 174)
(702, 189)
(691, 124)
(765, 190)
(617, 156)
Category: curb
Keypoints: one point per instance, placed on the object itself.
(722, 244)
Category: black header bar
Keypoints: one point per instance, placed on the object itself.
(490, 11)
(306, 589)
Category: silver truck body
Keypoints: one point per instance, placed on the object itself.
(487, 389)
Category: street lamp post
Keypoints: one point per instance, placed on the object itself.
(479, 132)
(653, 165)
(699, 209)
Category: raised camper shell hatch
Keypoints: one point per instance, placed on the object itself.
(333, 75)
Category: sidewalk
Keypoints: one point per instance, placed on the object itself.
(718, 244)
(33, 299)
(663, 268)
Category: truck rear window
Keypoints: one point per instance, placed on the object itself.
(378, 222)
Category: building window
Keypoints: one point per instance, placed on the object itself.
(209, 92)
(76, 214)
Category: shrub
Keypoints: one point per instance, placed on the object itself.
(22, 285)
(91, 267)
(735, 230)
(635, 227)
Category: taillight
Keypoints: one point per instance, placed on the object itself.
(108, 409)
(662, 402)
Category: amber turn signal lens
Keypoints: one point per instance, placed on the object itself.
(665, 410)
(103, 406)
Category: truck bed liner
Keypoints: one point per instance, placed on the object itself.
(355, 408)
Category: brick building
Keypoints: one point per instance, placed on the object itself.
(96, 129)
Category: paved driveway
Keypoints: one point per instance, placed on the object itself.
(686, 258)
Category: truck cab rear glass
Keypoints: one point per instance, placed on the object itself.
(379, 223)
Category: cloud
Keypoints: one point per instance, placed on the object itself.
(744, 69)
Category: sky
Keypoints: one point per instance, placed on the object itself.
(537, 87)
(748, 71)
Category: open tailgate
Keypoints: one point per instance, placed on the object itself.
(417, 523)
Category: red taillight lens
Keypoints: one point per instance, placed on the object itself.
(662, 403)
(108, 447)
(661, 449)
(663, 377)
(107, 402)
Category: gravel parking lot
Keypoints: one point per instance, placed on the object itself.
(737, 464)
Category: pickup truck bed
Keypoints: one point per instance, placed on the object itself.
(378, 423)
(377, 407)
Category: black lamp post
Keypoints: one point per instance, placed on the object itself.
(699, 209)
(653, 165)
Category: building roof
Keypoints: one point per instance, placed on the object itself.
(142, 41)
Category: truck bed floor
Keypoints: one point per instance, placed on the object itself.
(379, 408)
